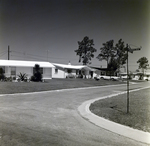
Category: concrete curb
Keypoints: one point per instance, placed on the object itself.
(126, 131)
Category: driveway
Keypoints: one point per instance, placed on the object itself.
(52, 119)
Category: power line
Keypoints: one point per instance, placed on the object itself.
(39, 56)
(45, 59)
(16, 56)
(3, 54)
(26, 56)
(133, 45)
(17, 52)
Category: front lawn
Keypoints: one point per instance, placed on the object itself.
(53, 84)
(115, 109)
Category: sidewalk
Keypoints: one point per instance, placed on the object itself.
(131, 133)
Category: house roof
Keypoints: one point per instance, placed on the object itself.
(24, 63)
(77, 67)
(98, 68)
(140, 73)
(135, 73)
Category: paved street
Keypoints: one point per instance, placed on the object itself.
(52, 118)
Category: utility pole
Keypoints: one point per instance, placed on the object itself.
(128, 49)
(8, 53)
(127, 80)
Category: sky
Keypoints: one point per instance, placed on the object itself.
(48, 30)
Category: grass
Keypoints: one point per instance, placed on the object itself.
(54, 84)
(115, 109)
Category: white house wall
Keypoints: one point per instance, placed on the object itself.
(7, 71)
(47, 72)
(63, 73)
(59, 74)
(27, 70)
(73, 72)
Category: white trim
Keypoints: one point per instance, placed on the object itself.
(19, 63)
(76, 67)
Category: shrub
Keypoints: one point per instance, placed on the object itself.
(37, 76)
(22, 77)
(8, 79)
(14, 78)
(2, 76)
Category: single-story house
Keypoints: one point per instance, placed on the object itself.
(72, 71)
(141, 76)
(12, 68)
(100, 71)
(136, 75)
(106, 72)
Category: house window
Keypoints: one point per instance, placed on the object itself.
(56, 71)
(13, 70)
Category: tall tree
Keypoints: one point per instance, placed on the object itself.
(85, 50)
(143, 63)
(115, 56)
(107, 51)
(121, 54)
(112, 66)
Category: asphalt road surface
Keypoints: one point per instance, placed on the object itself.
(52, 119)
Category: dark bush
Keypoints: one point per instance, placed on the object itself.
(37, 76)
(2, 76)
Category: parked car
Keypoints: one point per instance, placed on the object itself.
(124, 77)
(138, 77)
(113, 78)
(146, 78)
(70, 76)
